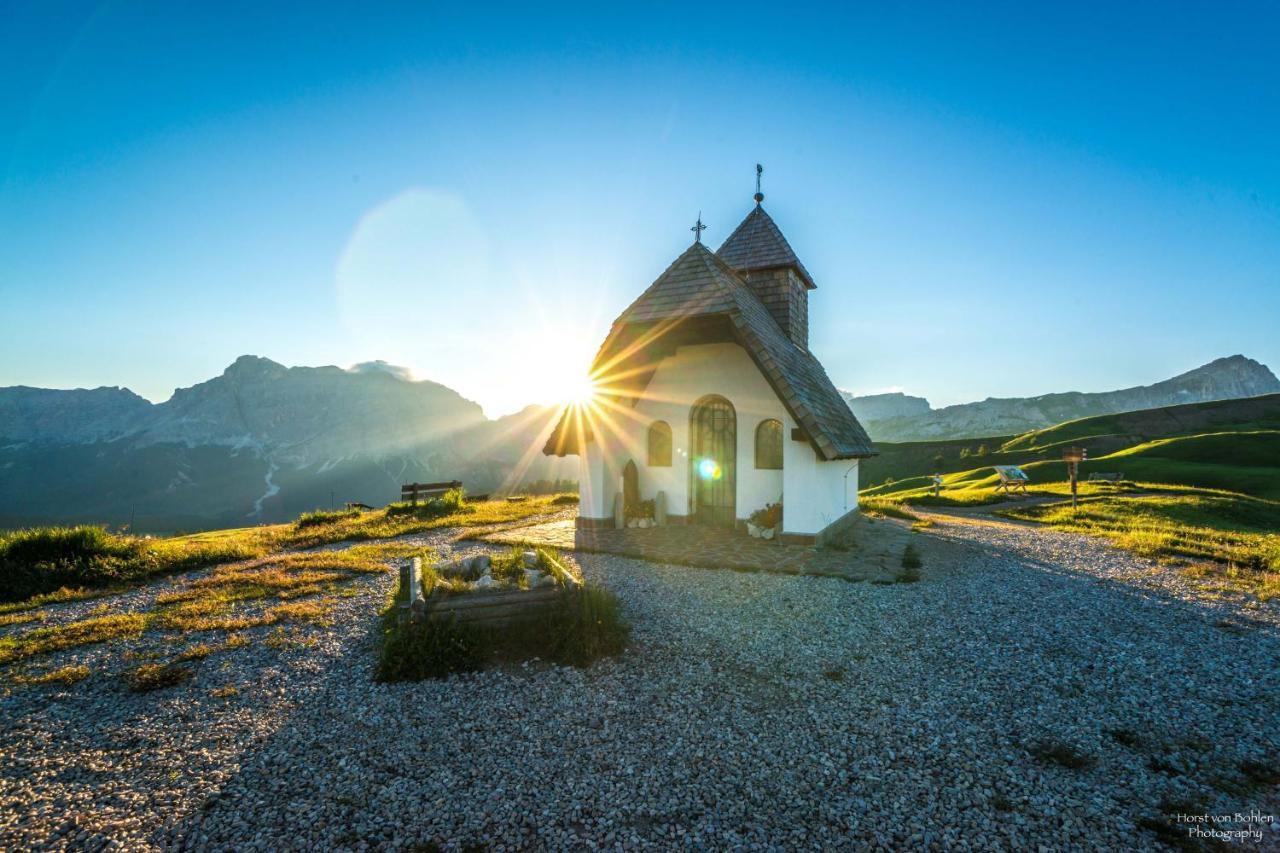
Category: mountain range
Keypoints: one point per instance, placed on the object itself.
(899, 417)
(263, 442)
(259, 443)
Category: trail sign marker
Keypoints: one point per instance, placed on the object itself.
(1073, 456)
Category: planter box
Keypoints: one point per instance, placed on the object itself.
(501, 607)
(494, 607)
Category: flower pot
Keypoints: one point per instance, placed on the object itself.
(768, 532)
(753, 531)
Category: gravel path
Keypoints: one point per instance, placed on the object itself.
(752, 711)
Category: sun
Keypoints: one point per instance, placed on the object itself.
(579, 391)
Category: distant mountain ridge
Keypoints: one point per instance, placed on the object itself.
(897, 417)
(260, 442)
(263, 442)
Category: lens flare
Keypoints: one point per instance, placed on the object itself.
(709, 469)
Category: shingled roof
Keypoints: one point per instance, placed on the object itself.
(698, 285)
(758, 244)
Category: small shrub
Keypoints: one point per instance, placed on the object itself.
(1062, 754)
(452, 501)
(836, 674)
(320, 517)
(564, 500)
(156, 676)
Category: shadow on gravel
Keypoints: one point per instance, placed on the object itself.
(796, 711)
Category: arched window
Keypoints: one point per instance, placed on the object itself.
(769, 445)
(659, 445)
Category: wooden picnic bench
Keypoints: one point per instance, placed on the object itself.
(1106, 476)
(412, 492)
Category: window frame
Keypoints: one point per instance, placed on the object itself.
(760, 427)
(658, 428)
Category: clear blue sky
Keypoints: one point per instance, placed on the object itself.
(994, 201)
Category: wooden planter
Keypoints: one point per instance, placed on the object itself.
(494, 607)
(501, 607)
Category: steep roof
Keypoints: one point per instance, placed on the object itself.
(758, 244)
(700, 285)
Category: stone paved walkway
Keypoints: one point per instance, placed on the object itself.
(875, 553)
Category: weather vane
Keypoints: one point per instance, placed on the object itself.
(698, 228)
(759, 172)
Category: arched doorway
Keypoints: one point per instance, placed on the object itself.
(713, 461)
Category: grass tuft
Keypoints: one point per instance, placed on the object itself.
(156, 676)
(58, 637)
(64, 675)
(320, 517)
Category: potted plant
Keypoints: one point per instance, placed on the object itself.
(765, 523)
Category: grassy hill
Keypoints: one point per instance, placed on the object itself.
(1200, 481)
(1229, 444)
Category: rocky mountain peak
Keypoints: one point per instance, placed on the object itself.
(251, 367)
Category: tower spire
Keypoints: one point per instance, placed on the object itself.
(759, 195)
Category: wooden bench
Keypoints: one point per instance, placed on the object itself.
(412, 492)
(1106, 476)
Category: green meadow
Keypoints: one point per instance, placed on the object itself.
(1200, 481)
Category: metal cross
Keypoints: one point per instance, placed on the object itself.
(698, 228)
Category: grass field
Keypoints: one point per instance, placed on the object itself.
(1237, 531)
(1229, 444)
(205, 615)
(47, 565)
(1202, 482)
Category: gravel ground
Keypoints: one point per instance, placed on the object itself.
(751, 711)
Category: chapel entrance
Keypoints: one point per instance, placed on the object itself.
(713, 456)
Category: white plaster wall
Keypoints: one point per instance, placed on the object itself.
(815, 493)
(818, 492)
(680, 381)
(595, 496)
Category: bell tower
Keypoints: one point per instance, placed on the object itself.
(758, 252)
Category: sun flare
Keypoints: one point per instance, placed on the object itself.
(579, 391)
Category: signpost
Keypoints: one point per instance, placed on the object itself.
(1073, 456)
